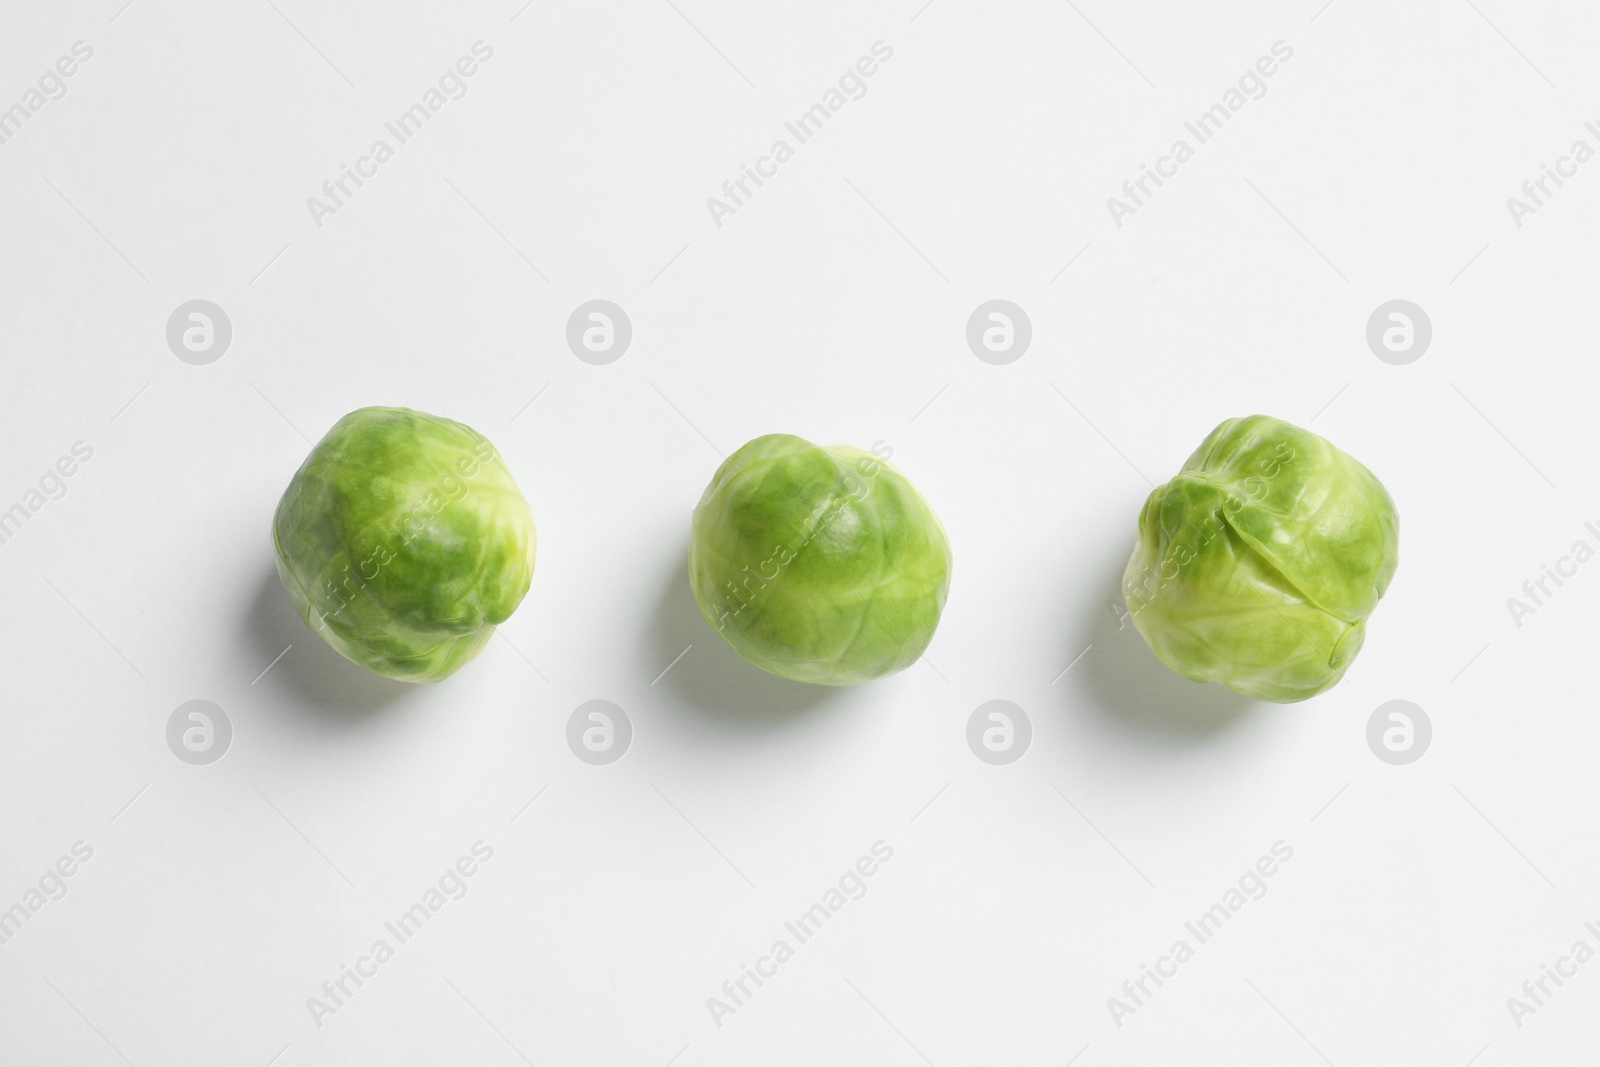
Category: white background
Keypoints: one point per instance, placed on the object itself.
(833, 305)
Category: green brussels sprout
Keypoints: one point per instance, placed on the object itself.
(818, 564)
(1258, 565)
(403, 541)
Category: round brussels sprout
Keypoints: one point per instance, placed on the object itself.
(818, 564)
(403, 541)
(1258, 565)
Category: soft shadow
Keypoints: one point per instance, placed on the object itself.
(312, 676)
(1125, 682)
(713, 682)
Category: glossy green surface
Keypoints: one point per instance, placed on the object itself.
(1258, 564)
(818, 564)
(403, 541)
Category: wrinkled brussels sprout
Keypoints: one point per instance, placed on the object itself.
(818, 564)
(1258, 564)
(403, 541)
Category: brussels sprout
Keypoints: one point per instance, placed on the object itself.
(403, 541)
(818, 564)
(1258, 565)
